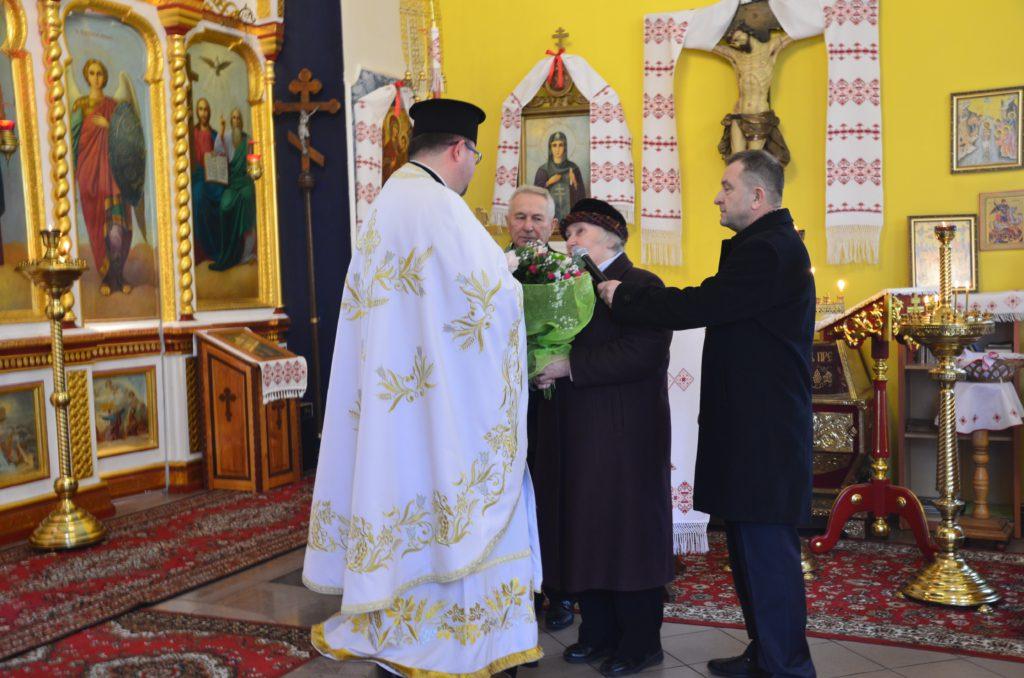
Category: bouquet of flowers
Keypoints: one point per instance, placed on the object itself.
(558, 299)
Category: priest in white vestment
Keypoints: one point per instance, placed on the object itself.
(423, 513)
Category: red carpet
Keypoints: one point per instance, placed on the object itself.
(147, 556)
(151, 643)
(854, 598)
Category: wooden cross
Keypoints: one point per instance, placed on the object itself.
(560, 35)
(304, 85)
(227, 397)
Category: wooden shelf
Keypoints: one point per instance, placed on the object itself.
(1007, 514)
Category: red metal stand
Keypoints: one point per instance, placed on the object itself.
(878, 496)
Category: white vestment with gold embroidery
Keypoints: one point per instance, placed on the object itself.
(423, 516)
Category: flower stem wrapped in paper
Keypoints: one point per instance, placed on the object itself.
(558, 299)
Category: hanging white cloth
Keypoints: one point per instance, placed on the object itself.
(367, 119)
(611, 146)
(689, 527)
(853, 135)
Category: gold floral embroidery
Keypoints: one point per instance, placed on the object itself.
(356, 410)
(410, 619)
(409, 387)
(480, 295)
(391, 273)
(327, 529)
(449, 520)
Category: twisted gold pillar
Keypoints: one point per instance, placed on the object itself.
(948, 579)
(182, 180)
(68, 526)
(51, 28)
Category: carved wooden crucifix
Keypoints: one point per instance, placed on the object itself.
(304, 86)
(227, 397)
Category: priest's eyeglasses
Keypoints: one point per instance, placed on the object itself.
(477, 155)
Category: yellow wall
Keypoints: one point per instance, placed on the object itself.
(930, 48)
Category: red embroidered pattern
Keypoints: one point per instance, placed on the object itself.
(854, 11)
(682, 497)
(659, 106)
(609, 141)
(859, 172)
(859, 207)
(659, 68)
(660, 180)
(505, 175)
(658, 214)
(858, 91)
(858, 132)
(365, 132)
(606, 112)
(682, 380)
(508, 147)
(284, 373)
(662, 30)
(363, 161)
(511, 118)
(659, 144)
(367, 192)
(841, 51)
(609, 171)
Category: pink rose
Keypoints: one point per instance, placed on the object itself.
(533, 268)
(551, 276)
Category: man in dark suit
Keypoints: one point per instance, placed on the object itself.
(603, 466)
(530, 220)
(754, 445)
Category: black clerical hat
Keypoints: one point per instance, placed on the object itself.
(446, 116)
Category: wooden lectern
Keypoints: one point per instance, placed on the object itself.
(252, 443)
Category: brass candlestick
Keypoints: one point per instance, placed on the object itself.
(67, 526)
(945, 331)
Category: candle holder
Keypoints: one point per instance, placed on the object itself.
(254, 162)
(8, 139)
(68, 526)
(941, 327)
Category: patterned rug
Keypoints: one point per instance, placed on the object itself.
(157, 644)
(147, 557)
(854, 598)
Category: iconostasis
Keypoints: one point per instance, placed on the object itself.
(142, 131)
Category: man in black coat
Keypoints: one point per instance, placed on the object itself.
(754, 445)
(603, 466)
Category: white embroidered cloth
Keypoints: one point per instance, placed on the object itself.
(367, 117)
(422, 511)
(993, 406)
(689, 527)
(280, 378)
(853, 135)
(611, 146)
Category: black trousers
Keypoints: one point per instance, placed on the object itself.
(629, 622)
(765, 561)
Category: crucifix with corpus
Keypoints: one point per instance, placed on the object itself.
(304, 86)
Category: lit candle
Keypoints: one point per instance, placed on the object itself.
(841, 284)
(6, 125)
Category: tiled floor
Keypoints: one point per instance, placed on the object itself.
(273, 592)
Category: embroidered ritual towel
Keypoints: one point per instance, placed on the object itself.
(853, 135)
(367, 119)
(611, 157)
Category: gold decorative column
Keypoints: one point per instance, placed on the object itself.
(68, 526)
(51, 28)
(945, 331)
(182, 179)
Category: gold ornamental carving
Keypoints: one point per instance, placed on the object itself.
(52, 26)
(834, 432)
(182, 178)
(78, 414)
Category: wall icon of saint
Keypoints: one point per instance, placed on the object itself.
(561, 176)
(109, 152)
(395, 151)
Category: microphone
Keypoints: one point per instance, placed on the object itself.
(582, 256)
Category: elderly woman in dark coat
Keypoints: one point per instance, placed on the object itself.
(602, 466)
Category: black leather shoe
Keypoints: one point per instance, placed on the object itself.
(737, 667)
(578, 653)
(625, 667)
(559, 615)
